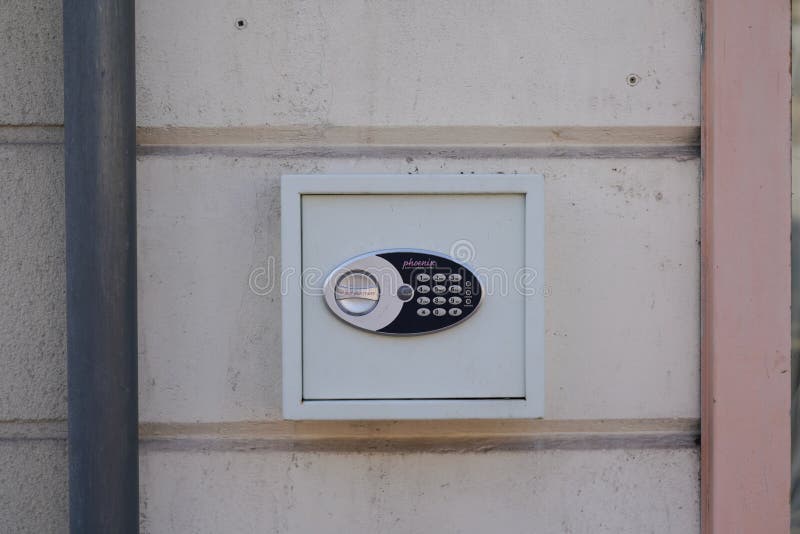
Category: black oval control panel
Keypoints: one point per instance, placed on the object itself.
(445, 292)
(403, 291)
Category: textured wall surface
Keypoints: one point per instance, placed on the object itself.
(33, 320)
(615, 492)
(621, 235)
(433, 63)
(31, 62)
(601, 99)
(33, 475)
(33, 464)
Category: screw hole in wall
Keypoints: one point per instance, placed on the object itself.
(241, 24)
(633, 79)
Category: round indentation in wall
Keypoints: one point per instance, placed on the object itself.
(240, 24)
(633, 79)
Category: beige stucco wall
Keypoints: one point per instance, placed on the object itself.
(210, 347)
(371, 87)
(549, 491)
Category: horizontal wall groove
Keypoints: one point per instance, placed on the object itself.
(476, 136)
(676, 152)
(33, 134)
(33, 430)
(476, 142)
(394, 436)
(422, 436)
(424, 141)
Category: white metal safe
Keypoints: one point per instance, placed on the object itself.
(412, 296)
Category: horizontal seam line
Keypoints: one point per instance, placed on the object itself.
(342, 436)
(677, 152)
(351, 137)
(399, 435)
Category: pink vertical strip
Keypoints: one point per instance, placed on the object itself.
(746, 276)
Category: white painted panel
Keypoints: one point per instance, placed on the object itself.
(481, 357)
(418, 63)
(622, 327)
(592, 492)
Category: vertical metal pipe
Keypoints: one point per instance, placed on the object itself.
(100, 164)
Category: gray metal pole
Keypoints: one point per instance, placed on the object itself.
(100, 163)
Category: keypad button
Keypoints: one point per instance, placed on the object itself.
(405, 292)
(423, 301)
(423, 277)
(423, 289)
(438, 312)
(455, 289)
(439, 277)
(423, 312)
(455, 312)
(455, 301)
(454, 278)
(439, 300)
(439, 290)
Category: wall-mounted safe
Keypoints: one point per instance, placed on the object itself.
(412, 296)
